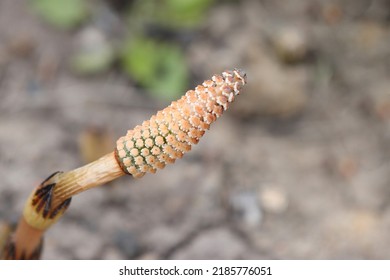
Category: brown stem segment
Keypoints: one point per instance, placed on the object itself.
(91, 175)
(25, 244)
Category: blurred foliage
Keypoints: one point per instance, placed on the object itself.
(92, 62)
(158, 65)
(174, 14)
(61, 13)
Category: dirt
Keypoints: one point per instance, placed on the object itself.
(297, 169)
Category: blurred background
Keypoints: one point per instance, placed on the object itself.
(298, 168)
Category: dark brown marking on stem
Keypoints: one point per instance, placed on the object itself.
(51, 176)
(43, 198)
(10, 252)
(42, 191)
(60, 208)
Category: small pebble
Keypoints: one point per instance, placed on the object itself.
(273, 199)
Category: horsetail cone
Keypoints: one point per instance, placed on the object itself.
(171, 132)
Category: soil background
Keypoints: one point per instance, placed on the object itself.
(298, 168)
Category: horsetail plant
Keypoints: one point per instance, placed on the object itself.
(148, 147)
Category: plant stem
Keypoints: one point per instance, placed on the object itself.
(26, 243)
(48, 202)
(91, 175)
(148, 147)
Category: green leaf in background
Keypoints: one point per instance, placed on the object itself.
(190, 12)
(61, 13)
(175, 14)
(159, 67)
